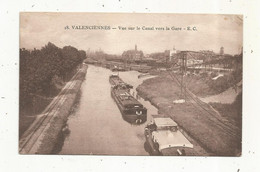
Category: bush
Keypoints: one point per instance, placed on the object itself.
(39, 67)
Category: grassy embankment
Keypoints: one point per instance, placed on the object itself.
(202, 126)
(54, 135)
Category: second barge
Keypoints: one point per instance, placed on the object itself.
(132, 110)
(114, 79)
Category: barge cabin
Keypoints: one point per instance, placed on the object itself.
(163, 137)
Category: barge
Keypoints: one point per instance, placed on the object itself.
(132, 110)
(114, 79)
(118, 68)
(163, 137)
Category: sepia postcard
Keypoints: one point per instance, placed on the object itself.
(130, 84)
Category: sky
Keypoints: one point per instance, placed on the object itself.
(212, 31)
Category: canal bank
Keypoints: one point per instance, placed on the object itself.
(207, 127)
(44, 133)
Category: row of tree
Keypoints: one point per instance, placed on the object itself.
(38, 67)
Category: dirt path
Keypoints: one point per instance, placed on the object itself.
(40, 137)
(226, 97)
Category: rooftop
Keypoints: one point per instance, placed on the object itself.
(164, 122)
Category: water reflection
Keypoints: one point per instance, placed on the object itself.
(97, 126)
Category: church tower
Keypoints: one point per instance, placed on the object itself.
(221, 52)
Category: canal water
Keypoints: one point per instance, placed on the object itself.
(97, 127)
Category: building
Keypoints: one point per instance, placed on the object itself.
(173, 53)
(133, 55)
